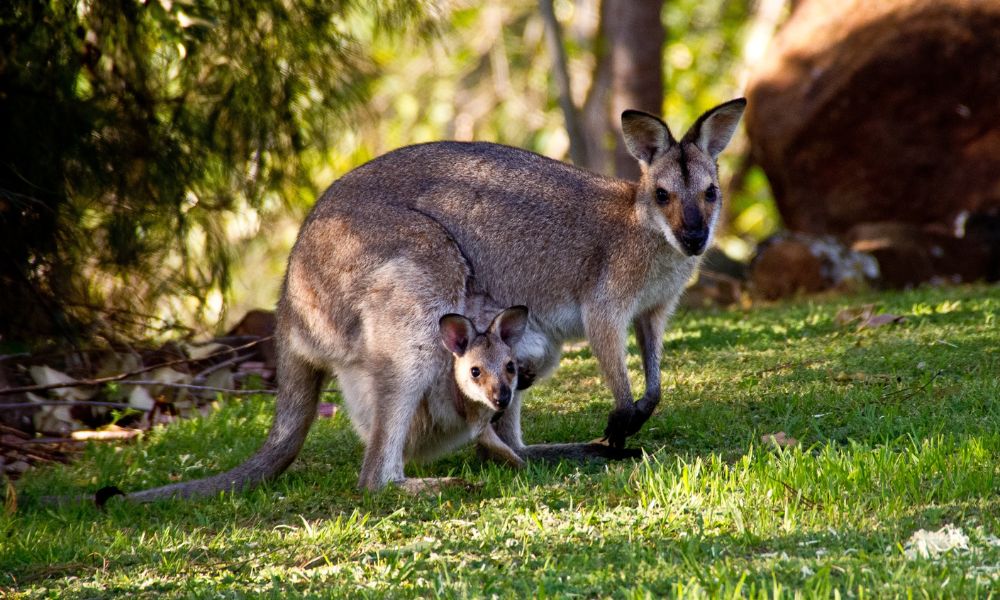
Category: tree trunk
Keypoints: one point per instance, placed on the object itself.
(598, 127)
(635, 37)
(574, 128)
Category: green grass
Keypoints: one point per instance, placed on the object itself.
(899, 430)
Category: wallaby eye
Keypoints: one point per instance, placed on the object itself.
(711, 194)
(510, 367)
(662, 197)
(475, 372)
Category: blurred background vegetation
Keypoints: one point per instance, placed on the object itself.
(157, 157)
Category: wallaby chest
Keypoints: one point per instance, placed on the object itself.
(668, 276)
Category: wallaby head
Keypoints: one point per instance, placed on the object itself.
(679, 184)
(485, 367)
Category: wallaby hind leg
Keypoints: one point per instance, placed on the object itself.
(392, 409)
(394, 402)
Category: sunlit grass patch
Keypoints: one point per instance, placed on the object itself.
(897, 431)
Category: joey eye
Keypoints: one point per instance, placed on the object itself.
(711, 194)
(510, 367)
(662, 197)
(475, 372)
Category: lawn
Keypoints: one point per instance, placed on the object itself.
(898, 430)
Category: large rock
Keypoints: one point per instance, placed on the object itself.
(880, 110)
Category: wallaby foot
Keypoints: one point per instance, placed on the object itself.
(429, 485)
(627, 421)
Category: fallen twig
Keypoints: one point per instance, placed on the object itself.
(121, 376)
(809, 502)
(191, 386)
(13, 405)
(910, 392)
(14, 431)
(222, 365)
(53, 441)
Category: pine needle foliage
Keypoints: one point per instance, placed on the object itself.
(129, 128)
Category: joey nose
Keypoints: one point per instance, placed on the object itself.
(694, 241)
(503, 398)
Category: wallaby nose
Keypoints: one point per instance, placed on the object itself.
(503, 398)
(694, 241)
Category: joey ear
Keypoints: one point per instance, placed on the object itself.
(645, 135)
(713, 130)
(510, 324)
(456, 333)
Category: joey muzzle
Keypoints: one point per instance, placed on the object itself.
(502, 400)
(503, 397)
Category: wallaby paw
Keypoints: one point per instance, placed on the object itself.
(525, 375)
(431, 485)
(508, 458)
(511, 460)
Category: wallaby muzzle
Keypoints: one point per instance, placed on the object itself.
(694, 233)
(694, 241)
(503, 397)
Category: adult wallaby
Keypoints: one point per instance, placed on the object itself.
(409, 236)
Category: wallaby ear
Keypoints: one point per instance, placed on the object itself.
(510, 324)
(645, 135)
(713, 130)
(456, 333)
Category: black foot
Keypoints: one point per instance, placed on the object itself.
(625, 422)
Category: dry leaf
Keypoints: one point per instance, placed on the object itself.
(326, 410)
(168, 375)
(865, 317)
(847, 316)
(119, 362)
(53, 418)
(223, 378)
(201, 351)
(880, 320)
(44, 375)
(780, 440)
(140, 398)
(930, 544)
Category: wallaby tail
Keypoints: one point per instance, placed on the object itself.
(298, 393)
(581, 452)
